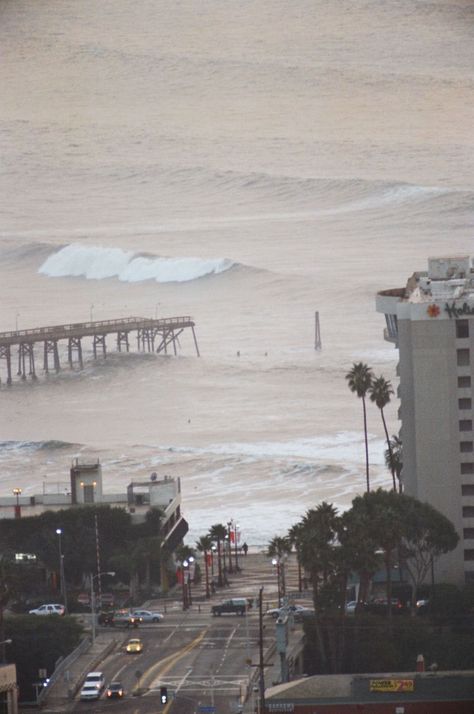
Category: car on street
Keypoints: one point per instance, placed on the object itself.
(236, 605)
(148, 615)
(134, 646)
(54, 609)
(299, 612)
(119, 618)
(115, 691)
(89, 692)
(93, 685)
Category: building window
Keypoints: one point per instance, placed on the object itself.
(468, 512)
(463, 358)
(465, 447)
(467, 468)
(469, 577)
(467, 490)
(462, 328)
(468, 533)
(465, 425)
(469, 554)
(465, 403)
(464, 382)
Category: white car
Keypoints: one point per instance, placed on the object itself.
(93, 686)
(89, 691)
(54, 609)
(148, 615)
(298, 611)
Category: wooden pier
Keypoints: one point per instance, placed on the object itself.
(151, 336)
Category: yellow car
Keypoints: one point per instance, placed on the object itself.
(134, 646)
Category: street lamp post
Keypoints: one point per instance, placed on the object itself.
(276, 563)
(17, 493)
(91, 310)
(229, 538)
(190, 572)
(185, 576)
(62, 579)
(93, 577)
(236, 532)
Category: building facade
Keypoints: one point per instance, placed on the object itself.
(85, 488)
(431, 322)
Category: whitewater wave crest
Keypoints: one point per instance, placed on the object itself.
(98, 263)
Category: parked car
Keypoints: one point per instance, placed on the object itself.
(115, 691)
(148, 615)
(379, 606)
(299, 612)
(49, 609)
(134, 646)
(237, 605)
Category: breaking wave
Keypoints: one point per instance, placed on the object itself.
(97, 263)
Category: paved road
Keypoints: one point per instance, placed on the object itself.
(202, 660)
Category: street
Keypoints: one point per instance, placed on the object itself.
(205, 662)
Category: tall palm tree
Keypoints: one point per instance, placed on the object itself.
(294, 536)
(218, 533)
(394, 458)
(380, 392)
(359, 380)
(279, 548)
(204, 545)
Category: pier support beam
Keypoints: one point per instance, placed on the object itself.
(5, 353)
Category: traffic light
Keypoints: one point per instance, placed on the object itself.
(164, 695)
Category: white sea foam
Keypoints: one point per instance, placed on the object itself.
(97, 263)
(344, 447)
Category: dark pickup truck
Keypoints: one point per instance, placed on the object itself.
(237, 605)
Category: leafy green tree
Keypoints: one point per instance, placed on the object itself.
(427, 535)
(380, 391)
(37, 643)
(359, 380)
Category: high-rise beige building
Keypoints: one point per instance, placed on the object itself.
(431, 321)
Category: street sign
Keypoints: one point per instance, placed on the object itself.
(206, 710)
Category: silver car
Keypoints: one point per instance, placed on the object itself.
(148, 615)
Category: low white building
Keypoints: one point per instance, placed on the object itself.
(85, 487)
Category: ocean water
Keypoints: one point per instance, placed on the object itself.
(246, 163)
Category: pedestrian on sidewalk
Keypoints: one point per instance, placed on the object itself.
(245, 548)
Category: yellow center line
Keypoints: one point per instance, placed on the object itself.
(165, 664)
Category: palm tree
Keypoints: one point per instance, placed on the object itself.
(394, 459)
(380, 392)
(204, 545)
(294, 536)
(279, 548)
(359, 380)
(218, 533)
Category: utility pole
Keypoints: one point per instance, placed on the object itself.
(260, 649)
(317, 332)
